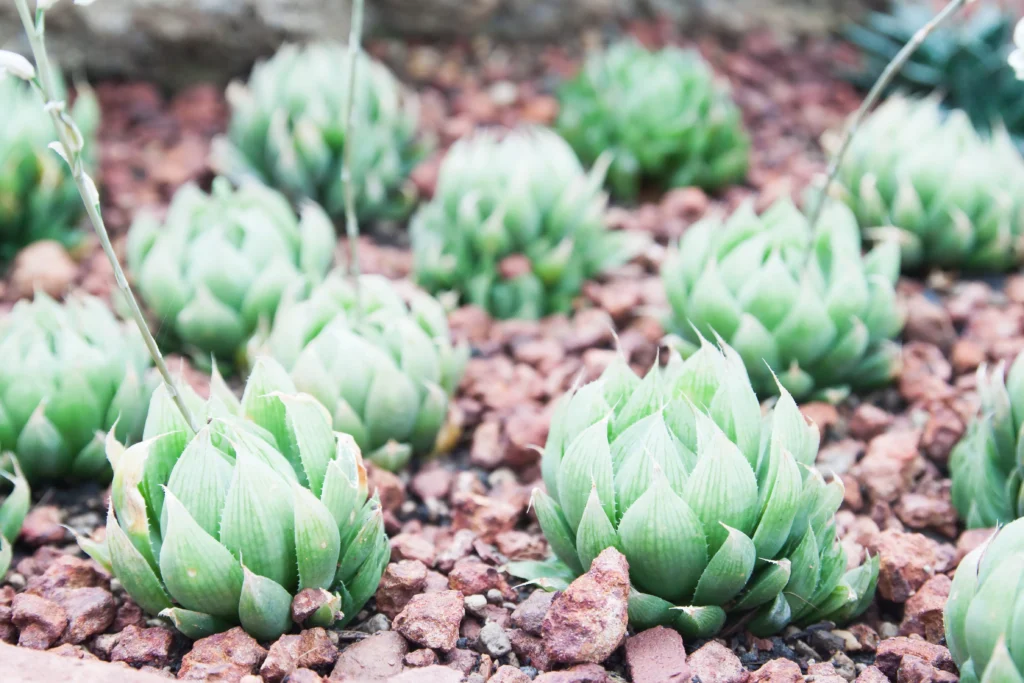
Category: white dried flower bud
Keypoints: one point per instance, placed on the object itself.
(16, 65)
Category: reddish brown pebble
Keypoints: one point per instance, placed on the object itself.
(657, 655)
(310, 649)
(429, 674)
(509, 674)
(307, 601)
(400, 582)
(373, 659)
(40, 621)
(868, 421)
(916, 670)
(432, 619)
(222, 657)
(890, 465)
(42, 525)
(412, 547)
(144, 647)
(891, 652)
(529, 614)
(420, 658)
(90, 611)
(777, 671)
(923, 612)
(872, 674)
(906, 562)
(715, 663)
(473, 577)
(584, 673)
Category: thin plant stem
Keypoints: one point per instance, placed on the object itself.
(34, 29)
(891, 69)
(351, 222)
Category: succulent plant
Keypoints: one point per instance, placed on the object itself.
(804, 306)
(72, 373)
(985, 610)
(987, 465)
(964, 61)
(287, 130)
(224, 526)
(385, 369)
(661, 114)
(14, 506)
(38, 198)
(718, 511)
(954, 197)
(220, 263)
(515, 225)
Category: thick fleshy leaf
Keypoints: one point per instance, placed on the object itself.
(309, 426)
(1001, 667)
(133, 571)
(16, 505)
(195, 625)
(647, 611)
(557, 531)
(587, 463)
(699, 622)
(264, 607)
(728, 571)
(317, 540)
(990, 610)
(595, 532)
(766, 585)
(771, 618)
(200, 481)
(783, 486)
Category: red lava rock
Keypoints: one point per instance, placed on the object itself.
(432, 619)
(968, 541)
(529, 648)
(777, 671)
(462, 660)
(43, 525)
(866, 637)
(868, 421)
(433, 482)
(941, 432)
(529, 614)
(923, 612)
(838, 457)
(301, 676)
(458, 546)
(420, 658)
(44, 265)
(73, 651)
(487, 451)
(928, 322)
(907, 562)
(872, 674)
(657, 655)
(310, 649)
(388, 485)
(824, 672)
(916, 670)
(127, 613)
(400, 582)
(89, 610)
(66, 572)
(222, 657)
(966, 356)
(40, 621)
(919, 511)
(587, 622)
(892, 651)
(429, 674)
(525, 431)
(144, 647)
(509, 674)
(890, 465)
(519, 545)
(307, 601)
(484, 515)
(583, 673)
(413, 547)
(823, 415)
(715, 663)
(473, 577)
(373, 659)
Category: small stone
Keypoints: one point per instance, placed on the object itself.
(519, 545)
(67, 572)
(419, 658)
(657, 655)
(891, 652)
(777, 671)
(307, 601)
(90, 611)
(40, 621)
(715, 663)
(907, 561)
(928, 322)
(915, 670)
(310, 649)
(222, 657)
(432, 619)
(462, 660)
(868, 421)
(302, 676)
(412, 547)
(375, 624)
(494, 641)
(923, 612)
(890, 465)
(587, 622)
(387, 485)
(529, 648)
(433, 481)
(472, 577)
(583, 673)
(475, 604)
(429, 674)
(872, 674)
(968, 541)
(372, 659)
(144, 647)
(43, 265)
(400, 582)
(529, 615)
(509, 674)
(42, 526)
(866, 637)
(72, 651)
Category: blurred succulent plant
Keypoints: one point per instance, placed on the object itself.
(224, 526)
(515, 225)
(987, 465)
(287, 129)
(13, 508)
(956, 198)
(38, 198)
(806, 307)
(964, 61)
(662, 116)
(72, 373)
(1016, 58)
(221, 262)
(985, 610)
(386, 369)
(718, 511)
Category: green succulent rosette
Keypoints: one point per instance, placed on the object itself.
(953, 197)
(661, 114)
(221, 261)
(987, 465)
(804, 306)
(15, 500)
(73, 372)
(38, 197)
(515, 226)
(718, 510)
(382, 362)
(223, 527)
(287, 129)
(984, 615)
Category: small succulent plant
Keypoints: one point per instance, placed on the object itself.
(985, 610)
(225, 526)
(987, 465)
(14, 504)
(516, 225)
(221, 261)
(954, 197)
(662, 115)
(385, 369)
(804, 307)
(73, 372)
(38, 198)
(287, 129)
(718, 511)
